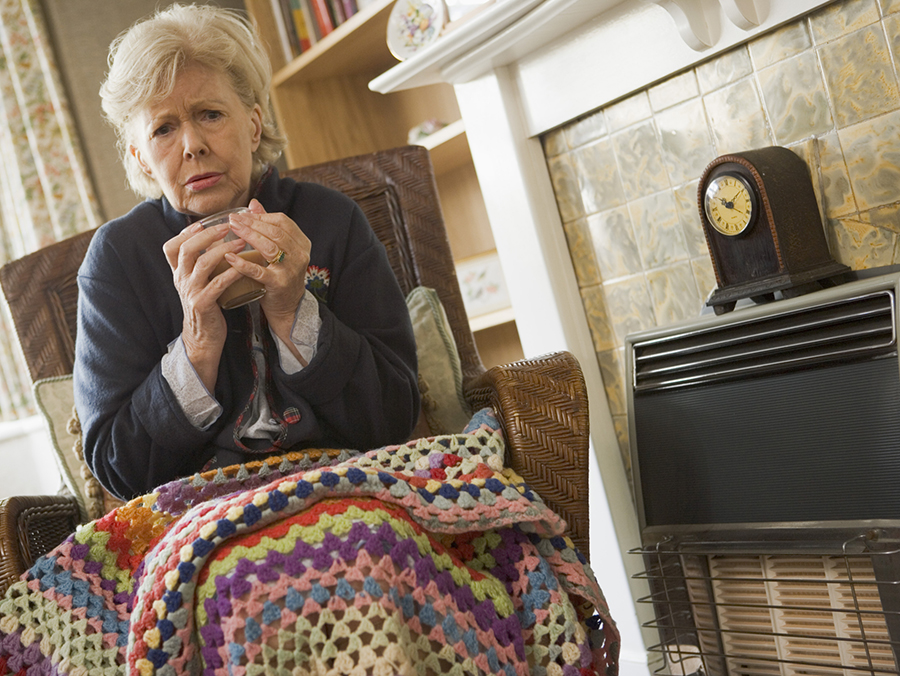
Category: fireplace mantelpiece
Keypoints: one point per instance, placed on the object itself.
(529, 67)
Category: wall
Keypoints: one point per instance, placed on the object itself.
(81, 31)
(626, 176)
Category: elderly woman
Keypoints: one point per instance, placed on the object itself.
(427, 557)
(166, 382)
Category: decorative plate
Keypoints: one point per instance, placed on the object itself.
(414, 24)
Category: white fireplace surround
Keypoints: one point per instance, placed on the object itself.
(521, 68)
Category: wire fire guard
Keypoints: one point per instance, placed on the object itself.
(732, 609)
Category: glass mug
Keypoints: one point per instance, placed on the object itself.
(244, 290)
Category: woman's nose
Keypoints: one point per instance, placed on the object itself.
(194, 142)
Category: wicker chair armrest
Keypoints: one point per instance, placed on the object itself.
(543, 408)
(30, 526)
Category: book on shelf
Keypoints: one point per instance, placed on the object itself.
(302, 19)
(284, 34)
(337, 12)
(350, 7)
(322, 17)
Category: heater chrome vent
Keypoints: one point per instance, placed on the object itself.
(862, 327)
(779, 615)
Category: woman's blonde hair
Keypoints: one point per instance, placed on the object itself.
(145, 60)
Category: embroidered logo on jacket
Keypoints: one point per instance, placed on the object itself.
(317, 280)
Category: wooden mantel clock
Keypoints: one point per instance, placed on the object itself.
(763, 228)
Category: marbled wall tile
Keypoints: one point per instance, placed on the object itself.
(787, 41)
(581, 249)
(833, 178)
(565, 185)
(675, 90)
(639, 156)
(686, 144)
(860, 245)
(612, 371)
(599, 181)
(737, 118)
(886, 218)
(841, 18)
(599, 318)
(704, 276)
(860, 76)
(628, 111)
(587, 129)
(629, 307)
(615, 249)
(658, 230)
(794, 94)
(554, 142)
(872, 152)
(674, 293)
(890, 6)
(724, 69)
(689, 216)
(892, 28)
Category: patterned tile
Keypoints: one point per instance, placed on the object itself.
(599, 182)
(890, 6)
(639, 156)
(860, 245)
(704, 276)
(615, 249)
(612, 371)
(673, 91)
(554, 142)
(860, 76)
(586, 129)
(581, 249)
(787, 41)
(658, 230)
(565, 185)
(689, 216)
(598, 317)
(841, 18)
(834, 185)
(724, 69)
(629, 111)
(737, 118)
(795, 97)
(872, 151)
(686, 144)
(886, 218)
(674, 293)
(629, 307)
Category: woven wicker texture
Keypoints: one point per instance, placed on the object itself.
(542, 403)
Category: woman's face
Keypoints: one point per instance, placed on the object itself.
(198, 143)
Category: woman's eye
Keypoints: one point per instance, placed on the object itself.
(212, 114)
(161, 130)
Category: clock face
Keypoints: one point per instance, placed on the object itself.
(729, 204)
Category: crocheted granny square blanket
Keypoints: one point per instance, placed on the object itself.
(425, 558)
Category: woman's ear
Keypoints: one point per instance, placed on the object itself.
(256, 122)
(136, 154)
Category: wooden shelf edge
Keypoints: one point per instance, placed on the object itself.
(491, 319)
(442, 136)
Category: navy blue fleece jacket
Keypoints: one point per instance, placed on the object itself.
(359, 391)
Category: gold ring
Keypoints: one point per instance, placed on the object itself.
(278, 257)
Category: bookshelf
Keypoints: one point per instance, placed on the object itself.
(325, 107)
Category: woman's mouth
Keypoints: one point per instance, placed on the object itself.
(203, 181)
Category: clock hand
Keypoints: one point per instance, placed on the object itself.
(726, 204)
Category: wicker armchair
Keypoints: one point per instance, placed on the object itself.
(542, 403)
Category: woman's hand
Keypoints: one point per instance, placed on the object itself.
(204, 328)
(285, 281)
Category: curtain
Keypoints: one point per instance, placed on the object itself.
(45, 191)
